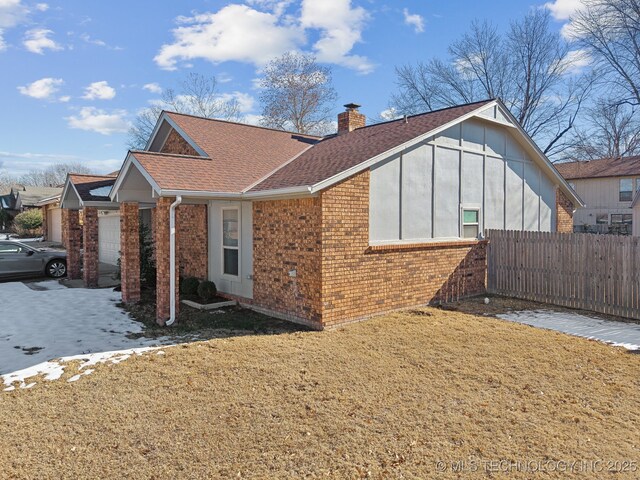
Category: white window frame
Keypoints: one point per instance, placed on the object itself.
(620, 190)
(471, 207)
(223, 246)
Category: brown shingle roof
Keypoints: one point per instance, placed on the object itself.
(605, 167)
(84, 184)
(240, 154)
(336, 154)
(183, 172)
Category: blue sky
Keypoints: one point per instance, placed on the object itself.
(74, 73)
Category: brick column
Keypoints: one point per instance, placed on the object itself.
(90, 242)
(130, 252)
(73, 243)
(161, 231)
(45, 225)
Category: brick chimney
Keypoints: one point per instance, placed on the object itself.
(350, 119)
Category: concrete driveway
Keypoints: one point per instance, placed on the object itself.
(45, 320)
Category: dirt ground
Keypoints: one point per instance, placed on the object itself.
(409, 395)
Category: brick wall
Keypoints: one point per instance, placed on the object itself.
(45, 223)
(193, 251)
(359, 280)
(564, 209)
(286, 237)
(72, 241)
(90, 242)
(178, 145)
(130, 251)
(340, 278)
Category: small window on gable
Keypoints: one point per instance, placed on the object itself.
(230, 242)
(626, 189)
(637, 184)
(470, 222)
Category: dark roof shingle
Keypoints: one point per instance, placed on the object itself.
(336, 154)
(239, 154)
(605, 167)
(85, 184)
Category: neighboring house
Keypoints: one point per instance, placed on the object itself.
(607, 187)
(324, 231)
(8, 210)
(21, 198)
(51, 218)
(82, 191)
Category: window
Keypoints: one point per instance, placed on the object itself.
(470, 223)
(626, 189)
(11, 248)
(602, 219)
(621, 218)
(230, 241)
(637, 184)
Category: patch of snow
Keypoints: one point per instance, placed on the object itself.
(619, 334)
(53, 369)
(73, 323)
(100, 191)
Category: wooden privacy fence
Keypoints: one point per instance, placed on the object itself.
(577, 270)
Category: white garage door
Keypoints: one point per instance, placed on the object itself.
(109, 238)
(54, 225)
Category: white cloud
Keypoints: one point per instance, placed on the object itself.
(153, 88)
(341, 28)
(262, 30)
(245, 101)
(96, 120)
(576, 60)
(85, 37)
(3, 45)
(19, 163)
(37, 41)
(12, 12)
(414, 20)
(236, 32)
(563, 9)
(389, 114)
(42, 7)
(41, 89)
(64, 99)
(99, 91)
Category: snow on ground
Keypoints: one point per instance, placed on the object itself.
(50, 321)
(619, 334)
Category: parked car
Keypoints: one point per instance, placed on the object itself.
(18, 259)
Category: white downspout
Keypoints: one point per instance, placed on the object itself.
(172, 260)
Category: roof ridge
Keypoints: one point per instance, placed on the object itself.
(486, 100)
(244, 124)
(165, 154)
(89, 175)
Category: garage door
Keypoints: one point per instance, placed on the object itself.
(54, 225)
(109, 238)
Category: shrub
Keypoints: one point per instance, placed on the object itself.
(207, 290)
(28, 222)
(189, 286)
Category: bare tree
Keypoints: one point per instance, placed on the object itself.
(52, 176)
(609, 30)
(198, 96)
(530, 69)
(297, 94)
(611, 131)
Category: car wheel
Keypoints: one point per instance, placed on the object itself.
(56, 269)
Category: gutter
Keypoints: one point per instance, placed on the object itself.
(172, 260)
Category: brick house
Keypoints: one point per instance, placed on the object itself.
(325, 231)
